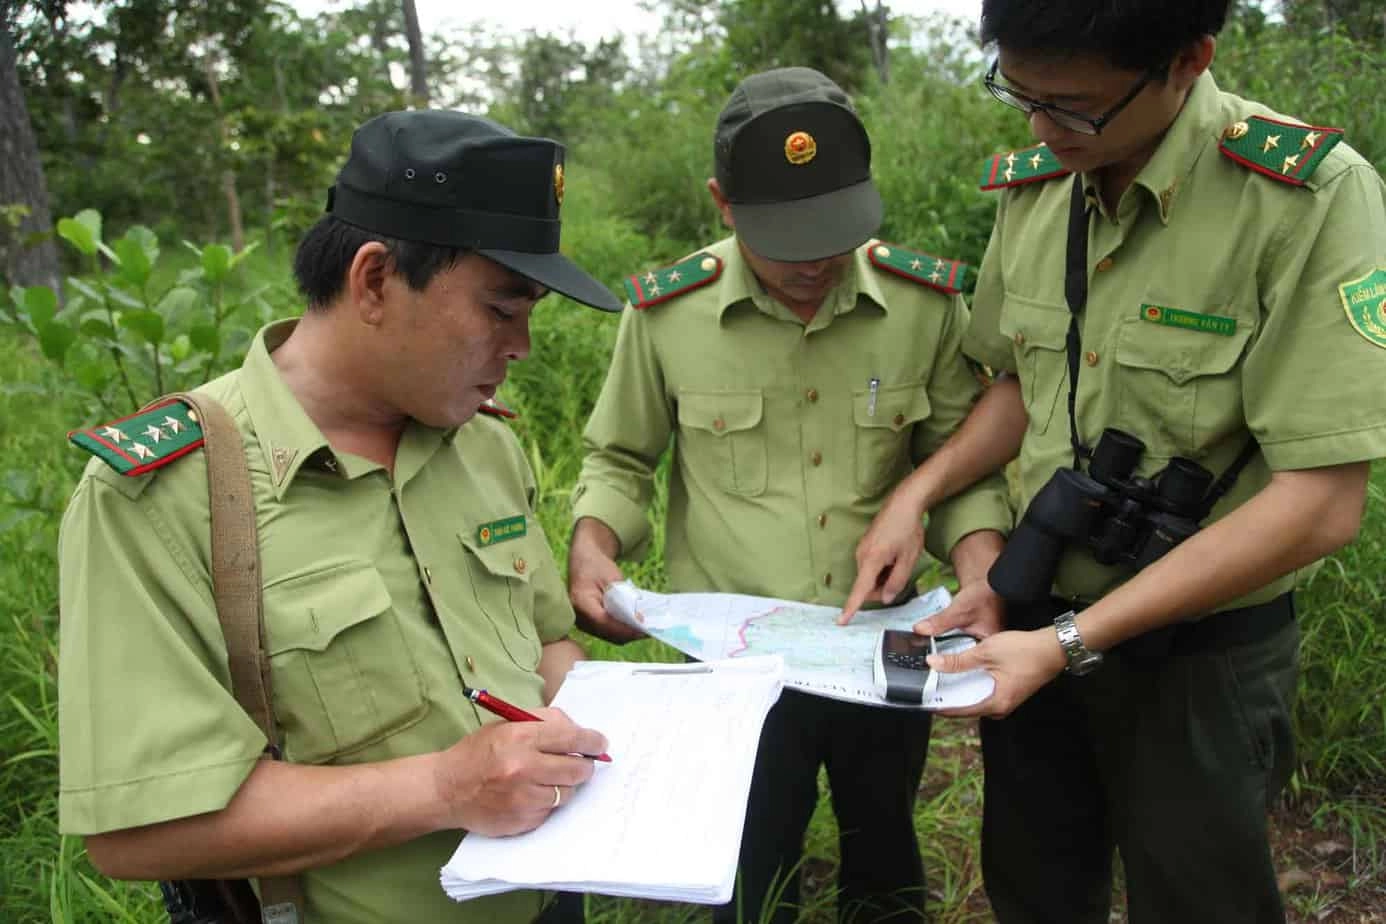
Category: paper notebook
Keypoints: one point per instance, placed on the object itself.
(663, 820)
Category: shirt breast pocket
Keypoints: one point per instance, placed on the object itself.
(1038, 332)
(723, 438)
(342, 673)
(883, 429)
(502, 579)
(1180, 391)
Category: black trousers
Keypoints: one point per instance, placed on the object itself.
(875, 760)
(1170, 759)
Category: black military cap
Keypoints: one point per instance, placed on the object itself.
(794, 162)
(458, 180)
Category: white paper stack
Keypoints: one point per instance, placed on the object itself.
(663, 820)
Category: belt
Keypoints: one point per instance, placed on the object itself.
(1216, 632)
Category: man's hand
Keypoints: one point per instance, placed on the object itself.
(500, 780)
(1019, 662)
(591, 569)
(886, 555)
(976, 609)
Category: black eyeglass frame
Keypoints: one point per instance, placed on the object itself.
(1064, 118)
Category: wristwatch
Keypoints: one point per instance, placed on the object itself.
(1081, 660)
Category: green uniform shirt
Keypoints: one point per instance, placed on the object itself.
(780, 460)
(1196, 232)
(381, 595)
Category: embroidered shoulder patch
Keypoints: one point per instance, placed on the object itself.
(144, 441)
(917, 266)
(1016, 168)
(1282, 150)
(497, 409)
(1364, 300)
(654, 286)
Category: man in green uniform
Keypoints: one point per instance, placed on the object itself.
(400, 555)
(802, 369)
(1198, 271)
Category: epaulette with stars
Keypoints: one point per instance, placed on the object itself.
(655, 286)
(144, 441)
(1281, 150)
(1016, 168)
(917, 266)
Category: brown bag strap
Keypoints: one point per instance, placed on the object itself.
(237, 588)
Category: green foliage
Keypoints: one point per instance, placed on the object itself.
(127, 338)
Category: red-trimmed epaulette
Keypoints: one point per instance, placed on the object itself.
(655, 286)
(916, 266)
(1283, 151)
(1016, 168)
(143, 441)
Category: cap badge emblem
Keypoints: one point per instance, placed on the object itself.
(800, 148)
(558, 183)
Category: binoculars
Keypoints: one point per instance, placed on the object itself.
(1116, 516)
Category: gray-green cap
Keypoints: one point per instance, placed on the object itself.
(794, 162)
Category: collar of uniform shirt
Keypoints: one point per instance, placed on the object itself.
(739, 286)
(1194, 130)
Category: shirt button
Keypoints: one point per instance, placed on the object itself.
(471, 665)
(822, 520)
(899, 419)
(1091, 357)
(428, 576)
(1019, 339)
(812, 396)
(816, 458)
(719, 425)
(828, 580)
(1105, 264)
(520, 566)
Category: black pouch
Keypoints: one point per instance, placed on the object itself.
(210, 901)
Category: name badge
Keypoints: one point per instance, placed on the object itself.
(1189, 320)
(501, 530)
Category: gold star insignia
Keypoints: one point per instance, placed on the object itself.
(1310, 140)
(112, 433)
(1272, 141)
(651, 278)
(1010, 159)
(141, 450)
(1009, 174)
(935, 276)
(655, 289)
(154, 433)
(1035, 161)
(675, 276)
(1290, 163)
(915, 264)
(174, 426)
(939, 264)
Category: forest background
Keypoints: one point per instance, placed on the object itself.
(159, 159)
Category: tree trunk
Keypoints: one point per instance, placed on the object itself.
(878, 29)
(21, 183)
(418, 68)
(228, 176)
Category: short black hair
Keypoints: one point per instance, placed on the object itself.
(326, 251)
(1136, 35)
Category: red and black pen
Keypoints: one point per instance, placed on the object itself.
(512, 713)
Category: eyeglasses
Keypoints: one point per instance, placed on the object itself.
(1064, 118)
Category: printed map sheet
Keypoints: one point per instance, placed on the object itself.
(820, 656)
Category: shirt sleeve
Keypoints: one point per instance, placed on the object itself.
(953, 390)
(628, 431)
(1312, 382)
(148, 728)
(983, 340)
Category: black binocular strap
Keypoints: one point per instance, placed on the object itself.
(1076, 293)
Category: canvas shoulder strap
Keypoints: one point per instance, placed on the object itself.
(236, 588)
